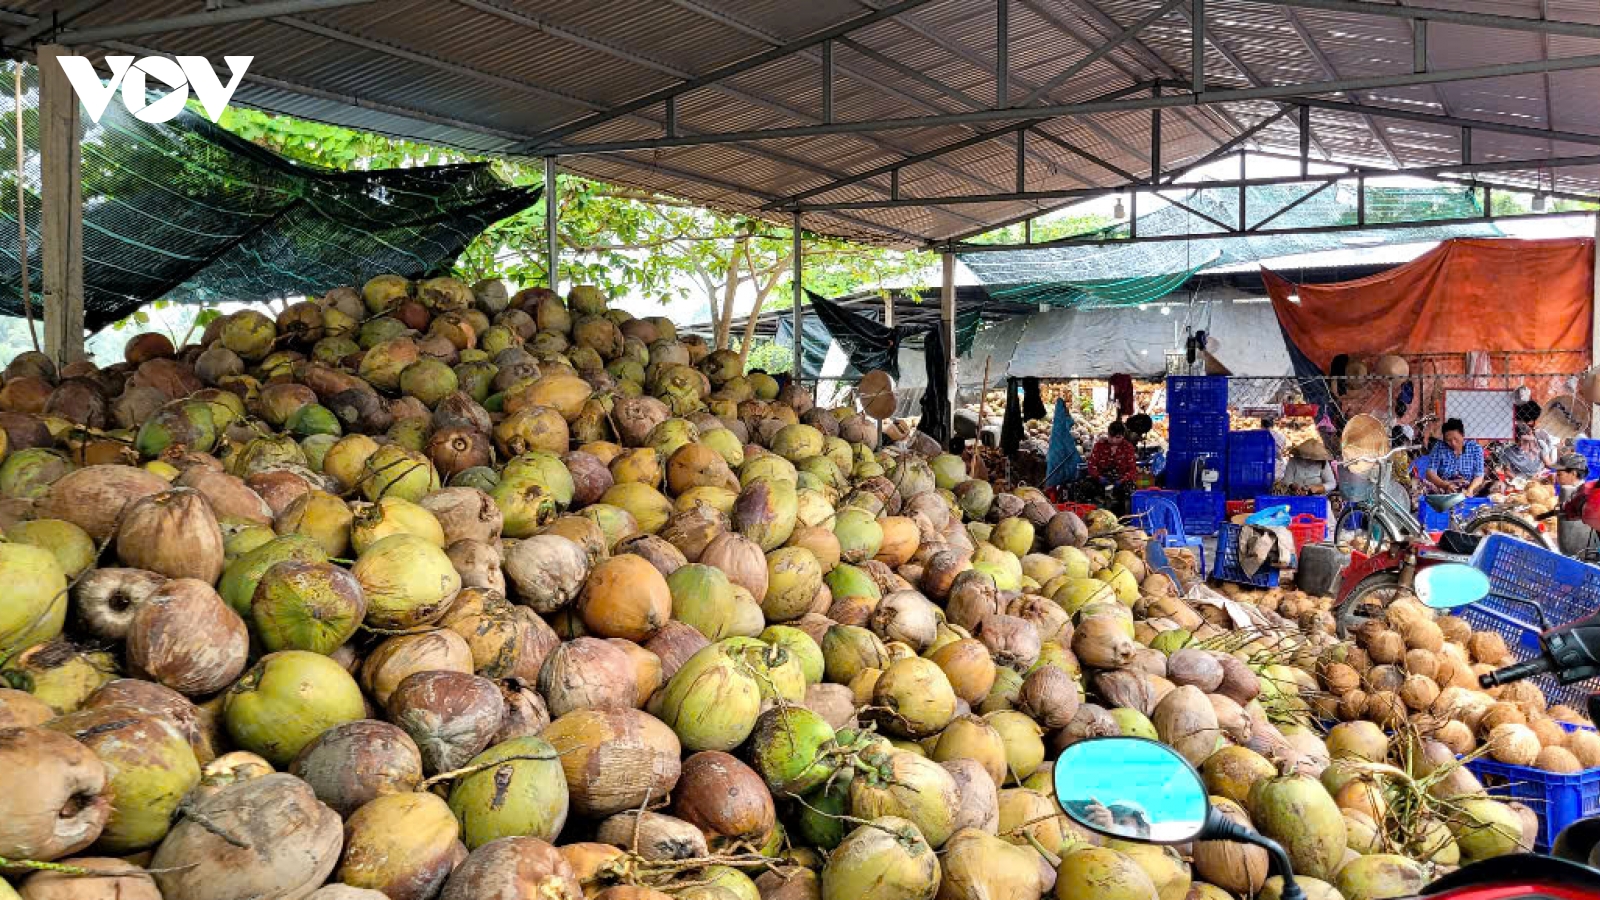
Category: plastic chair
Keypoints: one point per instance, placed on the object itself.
(1160, 513)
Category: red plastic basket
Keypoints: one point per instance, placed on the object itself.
(1306, 528)
(1078, 509)
(1236, 507)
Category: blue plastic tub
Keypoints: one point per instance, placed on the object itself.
(1226, 567)
(1440, 521)
(1558, 800)
(1311, 506)
(1589, 449)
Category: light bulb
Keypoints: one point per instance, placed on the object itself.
(1538, 202)
(1120, 210)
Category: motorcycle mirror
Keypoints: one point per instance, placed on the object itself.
(1448, 585)
(1131, 788)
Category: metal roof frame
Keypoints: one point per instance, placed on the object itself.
(911, 122)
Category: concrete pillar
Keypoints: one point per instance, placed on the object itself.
(61, 197)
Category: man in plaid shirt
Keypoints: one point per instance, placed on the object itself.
(1456, 464)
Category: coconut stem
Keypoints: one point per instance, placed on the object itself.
(63, 868)
(472, 770)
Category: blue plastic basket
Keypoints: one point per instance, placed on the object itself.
(1440, 521)
(1252, 463)
(1226, 567)
(1199, 434)
(1589, 449)
(1558, 800)
(1188, 394)
(1202, 511)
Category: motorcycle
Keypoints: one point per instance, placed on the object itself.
(1135, 789)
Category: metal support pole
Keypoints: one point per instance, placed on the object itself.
(552, 238)
(827, 81)
(1022, 161)
(1002, 50)
(1488, 201)
(1361, 200)
(947, 323)
(1305, 141)
(1155, 137)
(1419, 45)
(1133, 214)
(1197, 46)
(672, 117)
(1027, 231)
(1466, 146)
(798, 256)
(61, 199)
(894, 184)
(1594, 320)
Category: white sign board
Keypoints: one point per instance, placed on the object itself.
(1487, 415)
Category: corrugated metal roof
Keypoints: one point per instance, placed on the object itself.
(493, 76)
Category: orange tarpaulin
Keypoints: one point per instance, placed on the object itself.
(1466, 294)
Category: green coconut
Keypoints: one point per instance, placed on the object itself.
(248, 333)
(799, 644)
(727, 445)
(845, 580)
(408, 581)
(820, 821)
(848, 650)
(770, 466)
(647, 507)
(778, 674)
(766, 512)
(394, 471)
(974, 497)
(1133, 723)
(794, 576)
(886, 859)
(187, 425)
(324, 518)
(240, 537)
(543, 469)
(712, 701)
(525, 507)
(314, 606)
(1297, 812)
(1381, 876)
(35, 604)
(1013, 535)
(517, 787)
(428, 380)
(240, 577)
(1486, 828)
(891, 782)
(703, 599)
(789, 748)
(27, 474)
(949, 470)
(913, 698)
(313, 419)
(1104, 874)
(72, 547)
(286, 700)
(860, 536)
(392, 515)
(150, 767)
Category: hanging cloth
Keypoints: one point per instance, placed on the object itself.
(1011, 426)
(1032, 399)
(1480, 366)
(1122, 389)
(1063, 462)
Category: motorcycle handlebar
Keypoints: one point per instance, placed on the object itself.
(1515, 672)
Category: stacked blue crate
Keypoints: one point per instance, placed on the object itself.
(1197, 430)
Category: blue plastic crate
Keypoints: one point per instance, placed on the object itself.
(1252, 463)
(1589, 449)
(1440, 521)
(1311, 506)
(1558, 800)
(1202, 511)
(1226, 567)
(1200, 434)
(1188, 394)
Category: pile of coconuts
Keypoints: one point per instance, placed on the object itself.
(428, 590)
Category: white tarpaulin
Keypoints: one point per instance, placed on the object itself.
(1098, 343)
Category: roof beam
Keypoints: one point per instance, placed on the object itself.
(1096, 53)
(728, 71)
(1451, 16)
(1389, 112)
(225, 16)
(54, 20)
(1332, 71)
(1513, 165)
(591, 43)
(973, 117)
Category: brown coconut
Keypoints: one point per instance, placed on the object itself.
(724, 798)
(451, 716)
(92, 498)
(1186, 721)
(438, 649)
(353, 763)
(588, 673)
(56, 793)
(185, 637)
(614, 758)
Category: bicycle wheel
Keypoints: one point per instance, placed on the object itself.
(1354, 528)
(1367, 600)
(1506, 523)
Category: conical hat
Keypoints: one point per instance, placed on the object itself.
(1364, 436)
(877, 394)
(1564, 416)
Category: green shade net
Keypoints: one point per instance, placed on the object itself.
(186, 211)
(1130, 274)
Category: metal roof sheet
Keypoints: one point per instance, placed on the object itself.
(494, 76)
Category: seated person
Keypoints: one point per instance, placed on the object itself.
(1307, 471)
(1456, 464)
(1529, 456)
(1113, 459)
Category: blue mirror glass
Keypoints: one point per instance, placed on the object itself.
(1449, 585)
(1131, 788)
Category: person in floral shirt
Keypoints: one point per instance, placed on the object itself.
(1113, 459)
